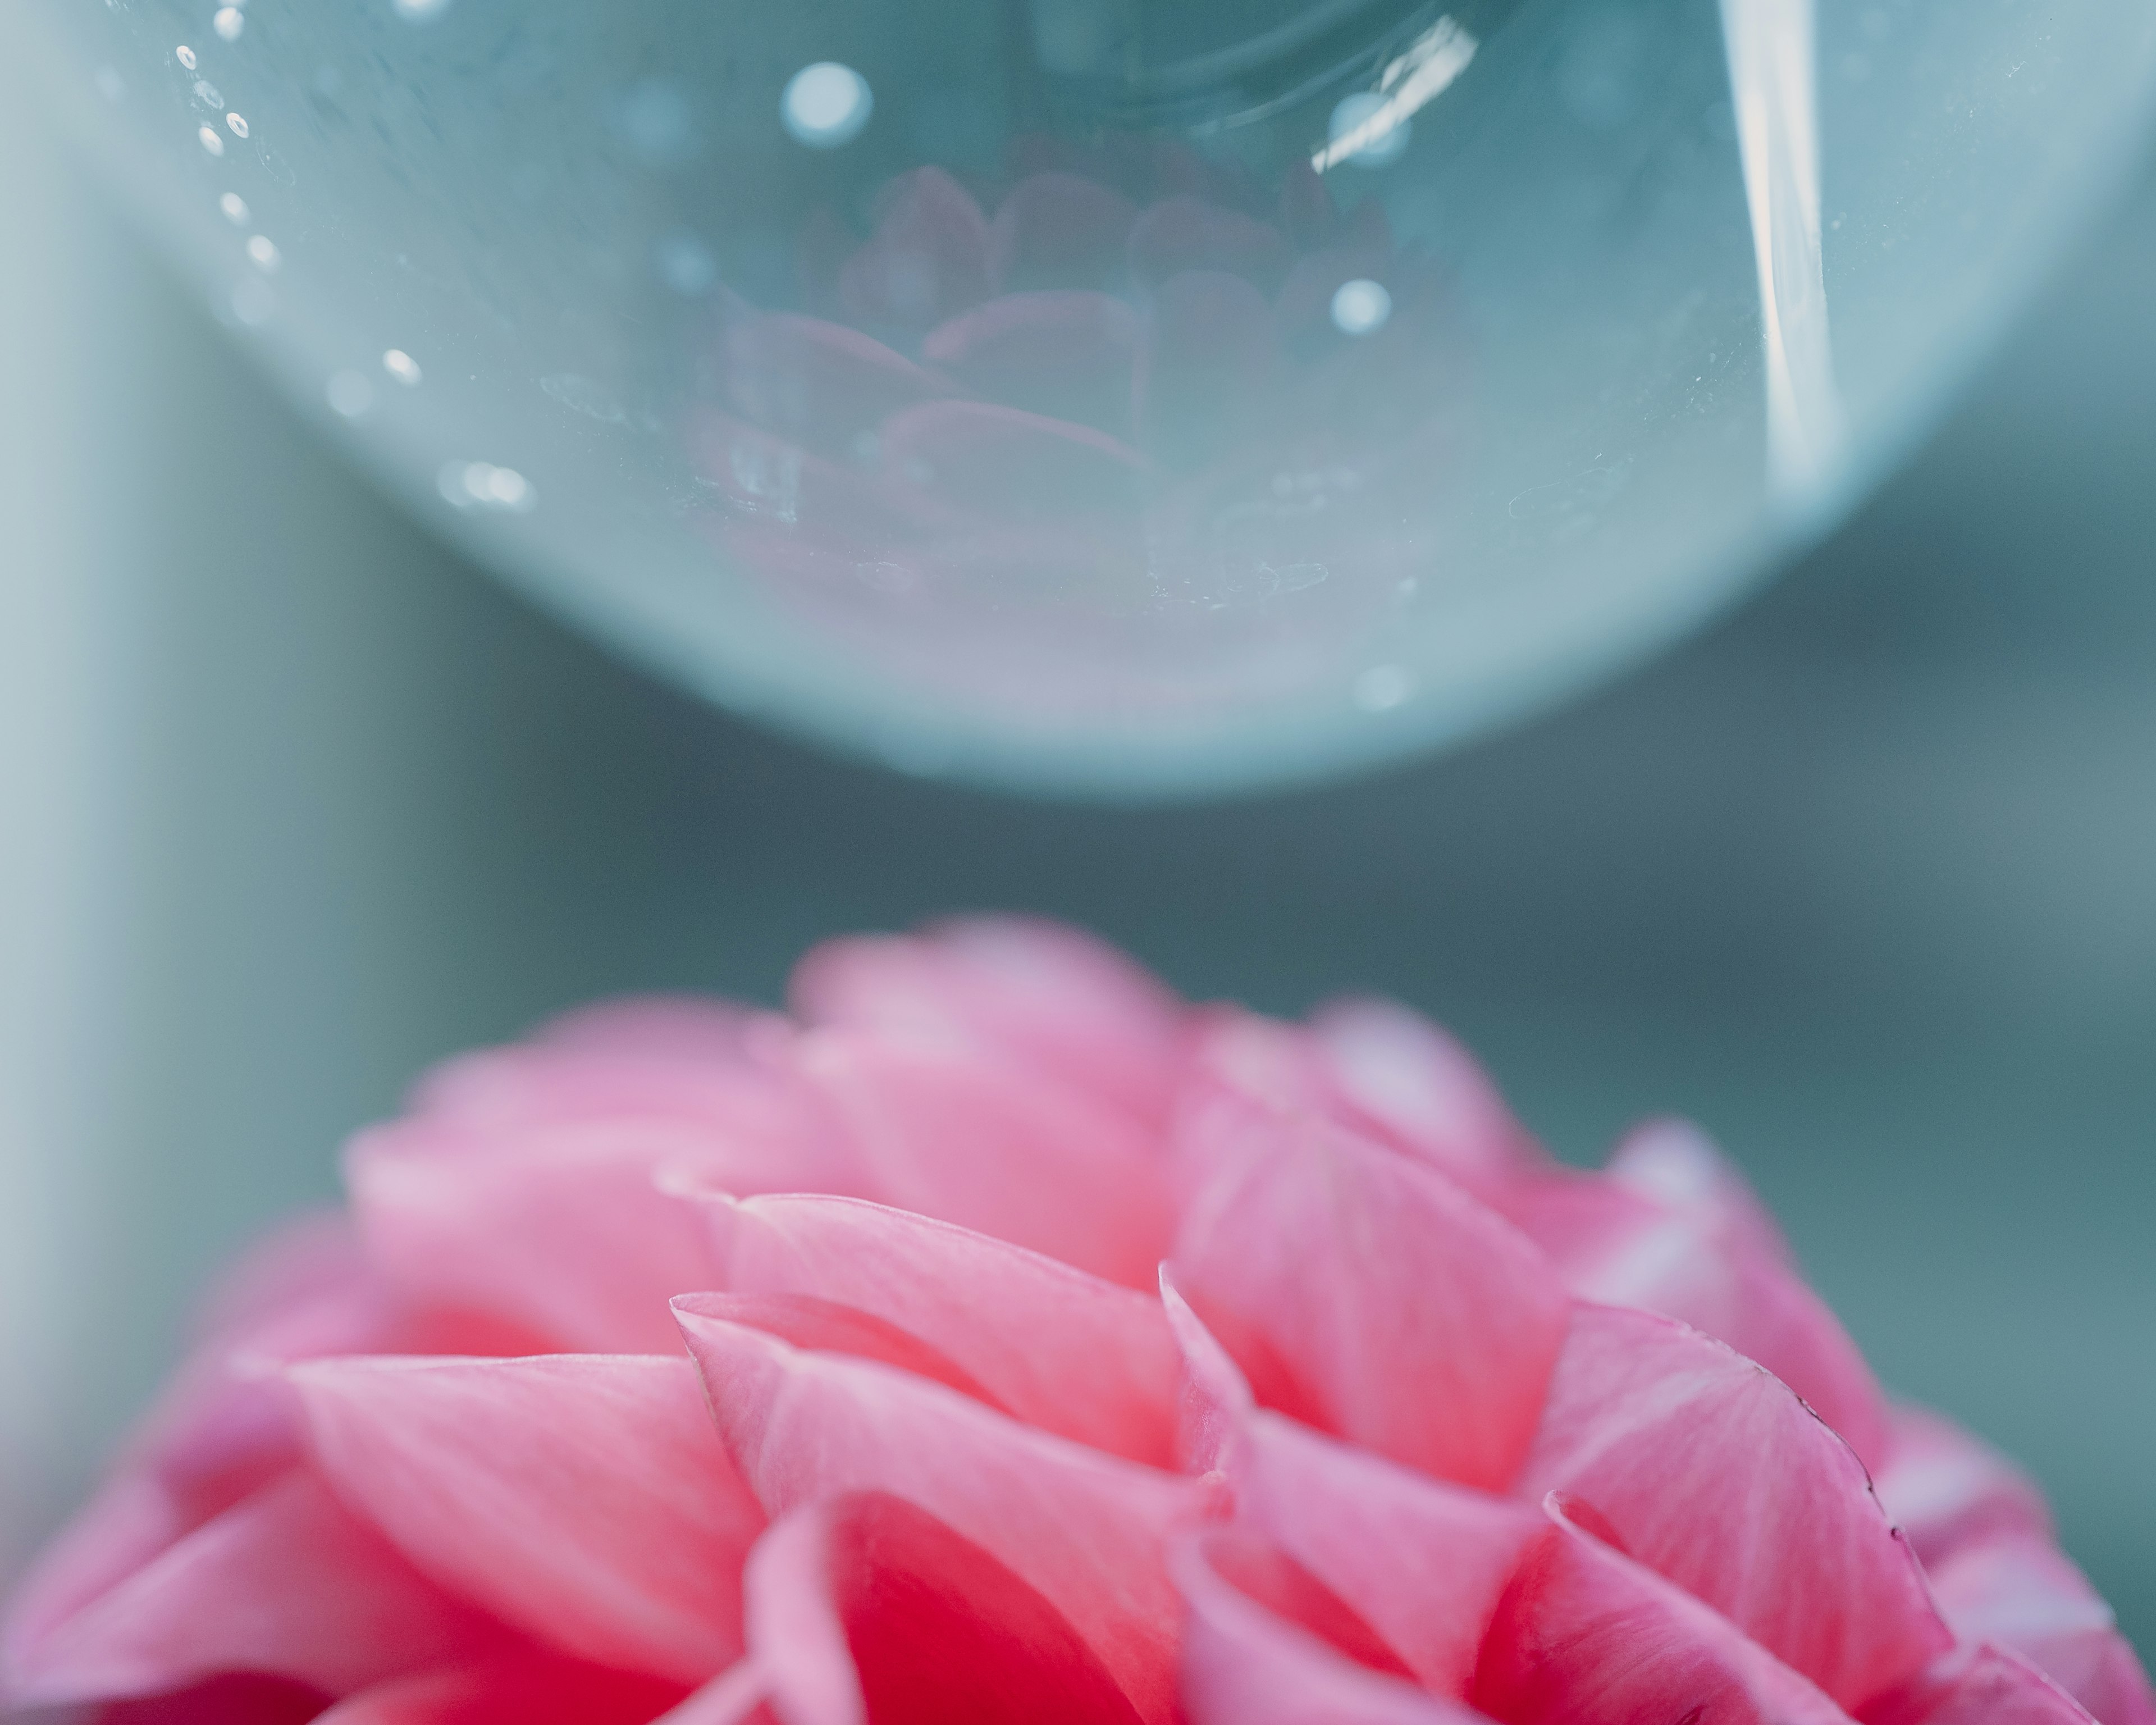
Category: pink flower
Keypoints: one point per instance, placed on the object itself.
(998, 1339)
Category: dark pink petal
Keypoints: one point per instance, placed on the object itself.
(1060, 230)
(1009, 465)
(1945, 1490)
(234, 1698)
(1586, 1634)
(1206, 365)
(1083, 1528)
(864, 1610)
(2018, 1592)
(562, 1229)
(1267, 1649)
(1714, 1476)
(582, 1498)
(285, 1583)
(526, 1688)
(1368, 1295)
(1977, 1685)
(929, 258)
(1052, 997)
(1066, 355)
(817, 383)
(1421, 1562)
(1185, 233)
(1048, 1344)
(969, 1139)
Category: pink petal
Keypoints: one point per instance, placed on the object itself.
(1707, 1264)
(1675, 1165)
(582, 1498)
(825, 1326)
(562, 1229)
(523, 1689)
(234, 1698)
(1017, 1156)
(1371, 1296)
(818, 383)
(1060, 230)
(1276, 1658)
(1945, 1490)
(1067, 356)
(865, 1611)
(1422, 1563)
(693, 1028)
(1083, 1528)
(929, 258)
(1586, 1634)
(1977, 1685)
(1774, 1526)
(1048, 1344)
(285, 1583)
(1010, 465)
(1054, 998)
(1186, 234)
(1216, 1397)
(2018, 1592)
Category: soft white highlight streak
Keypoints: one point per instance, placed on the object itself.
(1774, 89)
(1416, 78)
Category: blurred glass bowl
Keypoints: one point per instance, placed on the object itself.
(1125, 396)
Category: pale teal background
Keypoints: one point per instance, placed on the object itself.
(1865, 880)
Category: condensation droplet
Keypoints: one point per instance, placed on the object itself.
(481, 485)
(211, 142)
(1361, 307)
(235, 207)
(228, 23)
(264, 254)
(1382, 688)
(401, 366)
(349, 394)
(237, 123)
(826, 105)
(185, 55)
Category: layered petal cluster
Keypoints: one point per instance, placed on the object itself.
(996, 1338)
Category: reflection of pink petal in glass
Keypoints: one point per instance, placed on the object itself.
(929, 258)
(1060, 230)
(1180, 233)
(820, 383)
(1008, 464)
(1067, 354)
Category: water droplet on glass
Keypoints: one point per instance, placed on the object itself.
(211, 142)
(185, 55)
(262, 254)
(235, 207)
(208, 93)
(1360, 306)
(401, 366)
(228, 23)
(656, 122)
(1382, 688)
(826, 105)
(238, 125)
(685, 264)
(419, 10)
(482, 484)
(349, 394)
(1387, 143)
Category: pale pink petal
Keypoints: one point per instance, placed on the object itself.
(562, 1228)
(1584, 1634)
(1276, 1658)
(309, 1261)
(966, 1139)
(1714, 1476)
(1060, 230)
(582, 1498)
(825, 1326)
(1427, 1092)
(1675, 1165)
(1977, 1686)
(1054, 998)
(1048, 1344)
(864, 1610)
(929, 258)
(1009, 465)
(1084, 1528)
(1216, 1397)
(285, 1583)
(2017, 1591)
(1368, 1295)
(1945, 1490)
(1067, 355)
(1422, 1562)
(526, 1688)
(677, 1027)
